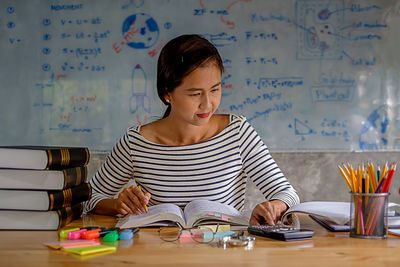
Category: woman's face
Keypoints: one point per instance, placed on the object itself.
(198, 96)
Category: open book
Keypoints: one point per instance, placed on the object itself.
(337, 212)
(334, 216)
(197, 212)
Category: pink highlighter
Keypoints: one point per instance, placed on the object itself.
(74, 235)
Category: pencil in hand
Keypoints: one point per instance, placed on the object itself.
(145, 206)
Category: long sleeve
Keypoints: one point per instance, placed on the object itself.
(114, 173)
(261, 168)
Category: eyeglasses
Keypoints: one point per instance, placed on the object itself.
(200, 235)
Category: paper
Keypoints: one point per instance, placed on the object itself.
(83, 251)
(197, 212)
(337, 212)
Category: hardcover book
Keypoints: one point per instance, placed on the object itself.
(38, 220)
(42, 179)
(43, 158)
(197, 212)
(44, 200)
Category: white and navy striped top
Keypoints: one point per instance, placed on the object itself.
(216, 169)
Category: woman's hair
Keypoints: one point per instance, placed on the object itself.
(178, 58)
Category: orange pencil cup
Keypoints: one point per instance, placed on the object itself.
(368, 215)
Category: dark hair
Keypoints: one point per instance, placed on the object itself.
(178, 58)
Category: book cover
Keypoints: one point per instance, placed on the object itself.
(329, 225)
(42, 179)
(38, 220)
(43, 158)
(40, 200)
(197, 212)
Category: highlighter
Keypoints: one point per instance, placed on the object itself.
(111, 236)
(74, 235)
(64, 233)
(128, 234)
(91, 234)
(103, 232)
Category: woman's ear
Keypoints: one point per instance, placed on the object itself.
(167, 98)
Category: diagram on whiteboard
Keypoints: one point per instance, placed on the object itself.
(375, 129)
(140, 30)
(139, 98)
(318, 23)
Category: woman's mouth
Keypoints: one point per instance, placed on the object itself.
(203, 115)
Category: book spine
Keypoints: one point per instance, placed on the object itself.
(69, 197)
(67, 157)
(68, 214)
(74, 176)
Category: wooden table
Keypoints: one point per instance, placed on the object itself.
(25, 248)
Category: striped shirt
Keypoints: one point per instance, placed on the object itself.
(216, 169)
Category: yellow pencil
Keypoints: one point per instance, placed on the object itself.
(355, 183)
(344, 175)
(373, 178)
(145, 206)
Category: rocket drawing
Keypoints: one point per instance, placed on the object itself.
(139, 96)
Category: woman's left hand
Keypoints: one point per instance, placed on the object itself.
(268, 212)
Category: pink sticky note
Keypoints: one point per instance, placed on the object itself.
(82, 245)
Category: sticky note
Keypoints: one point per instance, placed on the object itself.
(83, 251)
(207, 235)
(224, 217)
(221, 227)
(71, 243)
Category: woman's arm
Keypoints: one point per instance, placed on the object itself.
(113, 174)
(261, 168)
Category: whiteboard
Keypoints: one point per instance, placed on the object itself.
(309, 75)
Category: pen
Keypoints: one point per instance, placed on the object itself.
(145, 206)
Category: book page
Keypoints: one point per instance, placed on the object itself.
(202, 210)
(156, 215)
(337, 212)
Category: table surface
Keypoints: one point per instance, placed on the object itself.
(25, 248)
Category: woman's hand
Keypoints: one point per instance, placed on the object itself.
(132, 201)
(268, 212)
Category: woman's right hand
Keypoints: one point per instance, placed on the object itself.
(132, 201)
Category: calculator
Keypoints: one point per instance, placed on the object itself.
(280, 232)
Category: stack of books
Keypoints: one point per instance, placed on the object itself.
(42, 188)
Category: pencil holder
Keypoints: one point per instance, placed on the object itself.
(368, 215)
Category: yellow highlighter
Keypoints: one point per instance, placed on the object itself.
(145, 206)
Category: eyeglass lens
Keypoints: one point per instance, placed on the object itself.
(200, 235)
(169, 234)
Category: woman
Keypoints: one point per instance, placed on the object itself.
(191, 152)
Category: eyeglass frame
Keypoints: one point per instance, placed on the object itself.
(191, 235)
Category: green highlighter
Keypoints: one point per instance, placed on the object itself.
(111, 236)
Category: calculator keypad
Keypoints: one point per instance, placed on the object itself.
(280, 232)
